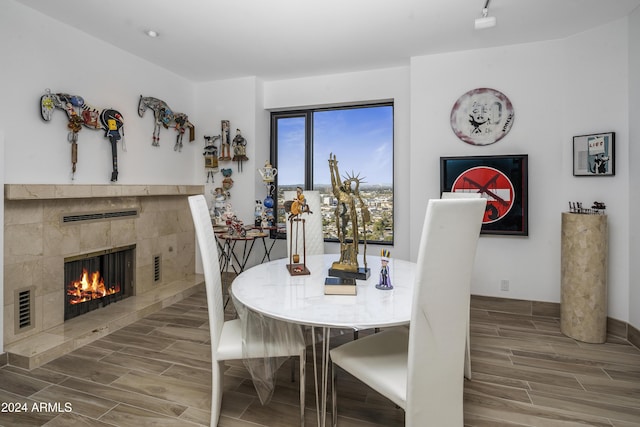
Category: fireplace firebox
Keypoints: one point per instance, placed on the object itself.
(97, 279)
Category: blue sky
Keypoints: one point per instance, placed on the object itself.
(362, 140)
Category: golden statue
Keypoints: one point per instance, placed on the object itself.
(347, 193)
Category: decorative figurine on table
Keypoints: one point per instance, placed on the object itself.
(258, 211)
(268, 174)
(295, 208)
(347, 193)
(220, 197)
(384, 282)
(239, 149)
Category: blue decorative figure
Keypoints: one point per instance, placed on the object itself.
(384, 282)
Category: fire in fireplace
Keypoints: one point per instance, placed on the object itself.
(97, 279)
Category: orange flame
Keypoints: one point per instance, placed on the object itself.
(90, 286)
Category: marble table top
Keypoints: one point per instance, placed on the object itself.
(269, 289)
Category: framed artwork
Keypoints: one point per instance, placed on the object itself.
(502, 180)
(594, 155)
(482, 116)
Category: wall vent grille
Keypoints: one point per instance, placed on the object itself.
(99, 216)
(157, 268)
(24, 309)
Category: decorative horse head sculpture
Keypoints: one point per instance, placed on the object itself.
(164, 117)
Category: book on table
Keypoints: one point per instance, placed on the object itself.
(339, 286)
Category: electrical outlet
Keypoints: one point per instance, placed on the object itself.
(504, 285)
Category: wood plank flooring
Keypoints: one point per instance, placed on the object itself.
(156, 372)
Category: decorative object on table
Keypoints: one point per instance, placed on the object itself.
(295, 208)
(164, 117)
(268, 205)
(594, 155)
(235, 226)
(339, 286)
(268, 174)
(81, 114)
(502, 180)
(225, 143)
(211, 156)
(258, 211)
(596, 209)
(384, 282)
(239, 149)
(347, 193)
(482, 116)
(220, 197)
(227, 182)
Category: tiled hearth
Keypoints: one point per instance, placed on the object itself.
(38, 239)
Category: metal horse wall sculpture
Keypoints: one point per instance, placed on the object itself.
(164, 117)
(81, 114)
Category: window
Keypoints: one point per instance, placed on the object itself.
(362, 139)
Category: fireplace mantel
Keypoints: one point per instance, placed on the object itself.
(64, 191)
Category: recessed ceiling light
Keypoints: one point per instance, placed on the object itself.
(151, 33)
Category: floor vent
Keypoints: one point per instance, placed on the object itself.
(99, 216)
(24, 304)
(157, 268)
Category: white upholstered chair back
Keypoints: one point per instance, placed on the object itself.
(313, 226)
(213, 284)
(440, 312)
(459, 195)
(467, 356)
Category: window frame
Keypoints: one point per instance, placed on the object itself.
(308, 115)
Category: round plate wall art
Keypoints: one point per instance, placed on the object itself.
(482, 116)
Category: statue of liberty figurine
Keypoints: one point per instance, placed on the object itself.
(385, 278)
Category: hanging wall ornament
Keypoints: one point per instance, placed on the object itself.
(165, 117)
(211, 156)
(482, 116)
(79, 115)
(112, 123)
(239, 149)
(225, 144)
(227, 182)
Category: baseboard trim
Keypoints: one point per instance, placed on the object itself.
(615, 327)
(4, 359)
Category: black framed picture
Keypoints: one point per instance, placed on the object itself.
(594, 155)
(501, 179)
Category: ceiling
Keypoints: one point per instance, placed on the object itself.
(203, 40)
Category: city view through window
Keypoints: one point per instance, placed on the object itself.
(361, 139)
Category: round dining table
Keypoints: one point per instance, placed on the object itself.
(273, 293)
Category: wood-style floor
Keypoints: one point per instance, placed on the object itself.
(156, 372)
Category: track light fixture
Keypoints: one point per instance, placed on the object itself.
(485, 21)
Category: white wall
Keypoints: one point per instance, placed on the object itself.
(550, 86)
(368, 86)
(634, 172)
(40, 53)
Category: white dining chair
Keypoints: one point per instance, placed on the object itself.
(226, 336)
(467, 351)
(420, 368)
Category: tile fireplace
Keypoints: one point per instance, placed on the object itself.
(46, 225)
